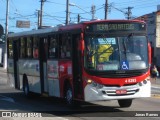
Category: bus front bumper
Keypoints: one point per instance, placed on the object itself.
(138, 90)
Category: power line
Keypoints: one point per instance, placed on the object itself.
(88, 12)
(133, 1)
(48, 15)
(139, 6)
(53, 17)
(13, 5)
(55, 3)
(145, 6)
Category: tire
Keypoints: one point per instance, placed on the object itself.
(125, 103)
(69, 96)
(26, 87)
(71, 103)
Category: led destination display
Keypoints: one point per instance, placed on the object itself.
(100, 27)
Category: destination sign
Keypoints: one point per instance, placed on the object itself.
(115, 27)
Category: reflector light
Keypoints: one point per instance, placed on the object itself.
(89, 81)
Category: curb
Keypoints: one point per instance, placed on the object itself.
(155, 87)
(3, 70)
(155, 95)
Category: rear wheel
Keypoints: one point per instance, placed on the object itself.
(125, 103)
(26, 87)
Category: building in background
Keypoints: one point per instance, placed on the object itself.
(153, 33)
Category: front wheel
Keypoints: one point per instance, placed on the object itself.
(125, 103)
(69, 96)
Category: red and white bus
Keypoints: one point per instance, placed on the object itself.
(89, 61)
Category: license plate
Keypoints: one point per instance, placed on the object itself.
(121, 91)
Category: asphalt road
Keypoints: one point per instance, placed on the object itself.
(14, 102)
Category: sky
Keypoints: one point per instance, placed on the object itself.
(54, 11)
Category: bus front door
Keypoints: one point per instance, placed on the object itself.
(77, 67)
(15, 63)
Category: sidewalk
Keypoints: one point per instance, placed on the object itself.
(155, 83)
(3, 76)
(3, 79)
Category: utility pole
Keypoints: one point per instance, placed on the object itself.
(129, 13)
(6, 34)
(41, 13)
(79, 17)
(93, 11)
(106, 10)
(67, 12)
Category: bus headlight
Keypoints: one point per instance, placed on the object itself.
(89, 81)
(94, 84)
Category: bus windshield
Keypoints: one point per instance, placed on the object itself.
(116, 53)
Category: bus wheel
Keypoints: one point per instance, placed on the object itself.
(125, 102)
(26, 87)
(69, 96)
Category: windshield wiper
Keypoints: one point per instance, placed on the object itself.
(125, 44)
(126, 40)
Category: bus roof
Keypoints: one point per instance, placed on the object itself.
(33, 32)
(67, 27)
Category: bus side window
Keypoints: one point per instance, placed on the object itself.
(29, 47)
(53, 51)
(68, 47)
(65, 46)
(22, 47)
(10, 49)
(35, 48)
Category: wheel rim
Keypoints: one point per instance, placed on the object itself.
(26, 90)
(69, 96)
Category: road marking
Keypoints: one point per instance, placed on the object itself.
(9, 99)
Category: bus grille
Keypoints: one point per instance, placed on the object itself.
(131, 91)
(117, 74)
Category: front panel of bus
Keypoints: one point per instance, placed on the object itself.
(116, 61)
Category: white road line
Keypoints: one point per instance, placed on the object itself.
(9, 99)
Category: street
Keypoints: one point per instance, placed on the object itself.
(14, 102)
